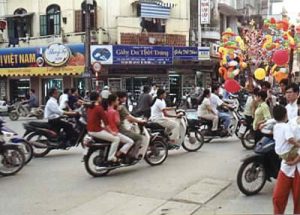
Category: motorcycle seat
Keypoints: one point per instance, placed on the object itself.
(100, 141)
(154, 126)
(40, 124)
(205, 121)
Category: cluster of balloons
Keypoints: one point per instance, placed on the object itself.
(275, 44)
(231, 58)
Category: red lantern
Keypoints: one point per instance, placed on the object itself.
(281, 57)
(232, 86)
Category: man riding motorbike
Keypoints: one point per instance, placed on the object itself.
(53, 113)
(217, 102)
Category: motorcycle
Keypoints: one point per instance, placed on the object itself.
(152, 149)
(246, 134)
(206, 125)
(189, 128)
(12, 159)
(19, 109)
(11, 137)
(259, 167)
(45, 138)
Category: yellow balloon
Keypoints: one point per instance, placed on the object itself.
(260, 74)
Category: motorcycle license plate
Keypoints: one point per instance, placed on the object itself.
(242, 129)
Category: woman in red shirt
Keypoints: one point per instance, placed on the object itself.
(113, 118)
(96, 117)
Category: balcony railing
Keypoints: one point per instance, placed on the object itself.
(153, 39)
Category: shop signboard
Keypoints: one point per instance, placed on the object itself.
(205, 11)
(102, 54)
(185, 53)
(142, 55)
(47, 60)
(203, 53)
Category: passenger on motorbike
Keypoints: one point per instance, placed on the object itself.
(262, 114)
(217, 102)
(250, 106)
(96, 117)
(126, 119)
(113, 118)
(159, 112)
(53, 113)
(206, 112)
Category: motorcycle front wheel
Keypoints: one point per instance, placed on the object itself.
(13, 116)
(12, 160)
(157, 153)
(247, 140)
(194, 142)
(251, 176)
(39, 144)
(93, 163)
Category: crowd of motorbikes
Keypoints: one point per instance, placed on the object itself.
(40, 138)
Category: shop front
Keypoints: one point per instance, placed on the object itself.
(132, 67)
(39, 68)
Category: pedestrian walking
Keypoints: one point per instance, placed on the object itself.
(144, 103)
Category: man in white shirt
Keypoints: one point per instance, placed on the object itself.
(64, 99)
(292, 95)
(217, 102)
(53, 114)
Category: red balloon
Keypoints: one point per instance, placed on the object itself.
(281, 57)
(232, 86)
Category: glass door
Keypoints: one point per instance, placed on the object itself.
(19, 89)
(51, 83)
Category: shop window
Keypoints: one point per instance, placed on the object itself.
(50, 24)
(153, 25)
(80, 17)
(19, 89)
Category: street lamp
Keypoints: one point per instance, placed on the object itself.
(87, 70)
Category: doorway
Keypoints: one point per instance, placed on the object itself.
(51, 83)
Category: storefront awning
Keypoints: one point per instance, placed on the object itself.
(155, 9)
(42, 71)
(16, 15)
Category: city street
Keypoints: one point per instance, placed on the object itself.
(187, 183)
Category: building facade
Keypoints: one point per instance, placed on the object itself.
(32, 23)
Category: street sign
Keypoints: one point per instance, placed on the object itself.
(97, 66)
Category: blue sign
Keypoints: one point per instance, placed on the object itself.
(185, 53)
(143, 55)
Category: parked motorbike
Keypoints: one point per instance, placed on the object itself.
(152, 149)
(11, 137)
(20, 109)
(259, 167)
(190, 137)
(45, 138)
(12, 159)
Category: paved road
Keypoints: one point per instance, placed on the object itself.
(187, 183)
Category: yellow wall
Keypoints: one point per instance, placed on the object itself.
(115, 16)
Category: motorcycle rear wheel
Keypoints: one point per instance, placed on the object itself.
(92, 161)
(13, 116)
(193, 147)
(157, 153)
(247, 140)
(249, 174)
(39, 145)
(12, 159)
(28, 151)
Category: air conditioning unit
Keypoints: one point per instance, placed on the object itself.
(214, 48)
(94, 36)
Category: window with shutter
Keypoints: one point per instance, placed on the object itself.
(78, 21)
(43, 25)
